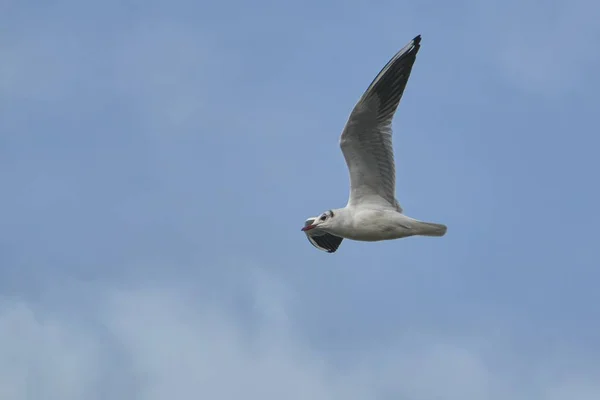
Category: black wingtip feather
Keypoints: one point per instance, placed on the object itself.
(405, 55)
(326, 242)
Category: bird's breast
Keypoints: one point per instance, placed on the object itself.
(376, 225)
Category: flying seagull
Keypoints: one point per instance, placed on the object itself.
(372, 213)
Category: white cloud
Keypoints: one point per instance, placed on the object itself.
(166, 343)
(42, 357)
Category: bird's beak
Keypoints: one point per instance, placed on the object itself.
(308, 228)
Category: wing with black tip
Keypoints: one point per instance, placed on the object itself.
(322, 240)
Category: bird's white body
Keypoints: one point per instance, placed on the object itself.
(373, 225)
(372, 213)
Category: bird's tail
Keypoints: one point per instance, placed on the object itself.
(429, 229)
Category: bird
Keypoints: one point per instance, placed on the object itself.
(372, 213)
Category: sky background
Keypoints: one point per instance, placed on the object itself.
(158, 160)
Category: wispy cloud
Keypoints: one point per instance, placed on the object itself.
(161, 341)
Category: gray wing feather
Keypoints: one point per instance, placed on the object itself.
(366, 141)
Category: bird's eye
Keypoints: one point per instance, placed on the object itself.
(323, 217)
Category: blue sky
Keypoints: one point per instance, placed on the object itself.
(158, 160)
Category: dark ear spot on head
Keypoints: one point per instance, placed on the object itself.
(331, 213)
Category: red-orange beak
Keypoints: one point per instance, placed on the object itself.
(308, 228)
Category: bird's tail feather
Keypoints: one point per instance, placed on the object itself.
(430, 229)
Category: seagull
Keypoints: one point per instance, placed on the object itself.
(372, 213)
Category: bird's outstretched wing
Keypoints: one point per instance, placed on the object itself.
(321, 239)
(367, 137)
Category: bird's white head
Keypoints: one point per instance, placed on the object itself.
(323, 221)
